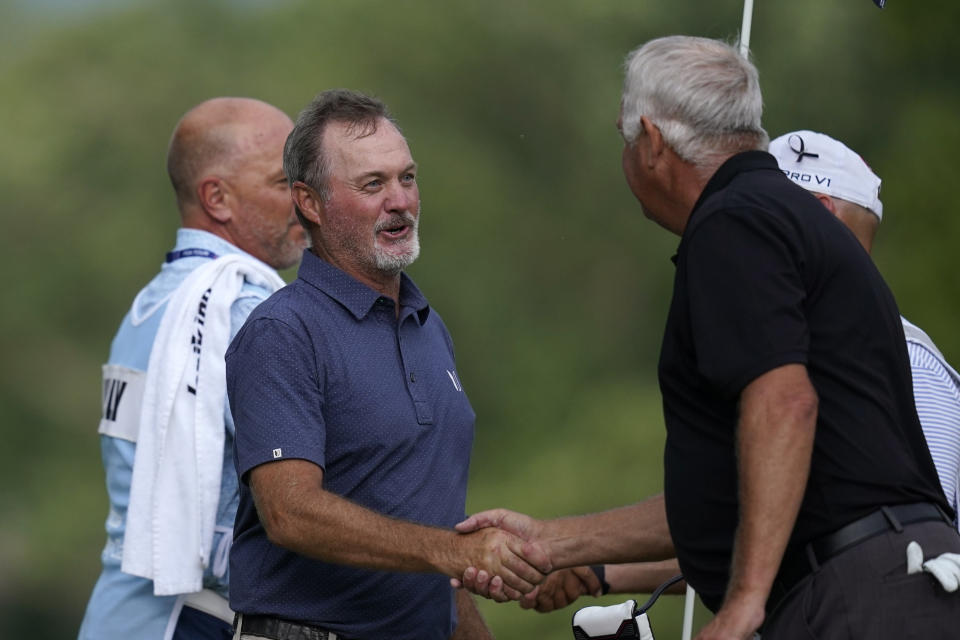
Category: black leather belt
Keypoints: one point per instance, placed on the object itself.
(801, 563)
(280, 629)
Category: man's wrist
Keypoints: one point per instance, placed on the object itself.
(600, 571)
(442, 551)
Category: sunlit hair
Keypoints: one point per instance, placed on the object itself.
(701, 93)
(303, 158)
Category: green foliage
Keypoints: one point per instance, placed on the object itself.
(554, 286)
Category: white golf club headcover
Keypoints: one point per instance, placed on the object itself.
(945, 567)
(615, 621)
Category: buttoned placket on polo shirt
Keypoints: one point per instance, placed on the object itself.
(408, 315)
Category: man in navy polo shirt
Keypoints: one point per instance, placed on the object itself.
(353, 429)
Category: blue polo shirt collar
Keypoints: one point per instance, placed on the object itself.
(356, 297)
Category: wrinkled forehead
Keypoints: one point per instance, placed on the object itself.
(352, 147)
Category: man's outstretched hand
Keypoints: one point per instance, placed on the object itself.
(492, 555)
(484, 579)
(561, 588)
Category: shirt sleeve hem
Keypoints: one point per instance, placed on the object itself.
(244, 471)
(762, 366)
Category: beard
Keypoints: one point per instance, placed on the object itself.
(405, 252)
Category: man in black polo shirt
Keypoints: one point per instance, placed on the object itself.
(796, 472)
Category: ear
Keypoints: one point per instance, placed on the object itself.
(827, 201)
(212, 195)
(307, 201)
(657, 144)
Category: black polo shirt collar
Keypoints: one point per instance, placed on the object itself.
(731, 168)
(356, 297)
(735, 165)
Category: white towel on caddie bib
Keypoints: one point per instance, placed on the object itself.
(179, 457)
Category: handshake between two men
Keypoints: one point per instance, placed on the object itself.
(549, 569)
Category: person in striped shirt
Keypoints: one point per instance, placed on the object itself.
(845, 184)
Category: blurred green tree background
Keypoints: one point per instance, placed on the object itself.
(553, 284)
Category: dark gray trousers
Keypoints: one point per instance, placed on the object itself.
(865, 593)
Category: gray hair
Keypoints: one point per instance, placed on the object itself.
(303, 158)
(701, 93)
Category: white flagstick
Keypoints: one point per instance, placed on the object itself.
(690, 598)
(745, 28)
(688, 601)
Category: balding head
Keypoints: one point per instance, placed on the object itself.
(207, 138)
(225, 162)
